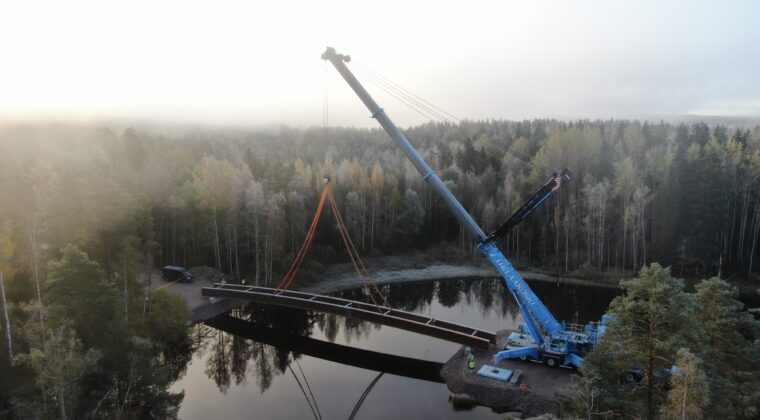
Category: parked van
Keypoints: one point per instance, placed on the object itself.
(174, 273)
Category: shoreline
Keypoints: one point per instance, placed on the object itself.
(339, 280)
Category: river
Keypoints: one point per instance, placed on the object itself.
(231, 377)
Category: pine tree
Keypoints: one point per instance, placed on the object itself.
(729, 333)
(652, 320)
(689, 395)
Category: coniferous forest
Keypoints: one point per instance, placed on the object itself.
(686, 195)
(87, 212)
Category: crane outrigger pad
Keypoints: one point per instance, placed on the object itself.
(493, 372)
(375, 313)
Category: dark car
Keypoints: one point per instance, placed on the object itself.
(174, 273)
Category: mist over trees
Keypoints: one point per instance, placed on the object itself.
(88, 213)
(683, 195)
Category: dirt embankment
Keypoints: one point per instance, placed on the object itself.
(542, 385)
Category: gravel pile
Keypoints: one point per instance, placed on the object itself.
(205, 273)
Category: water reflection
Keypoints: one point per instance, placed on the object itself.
(257, 345)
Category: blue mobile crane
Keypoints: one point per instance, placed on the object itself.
(542, 338)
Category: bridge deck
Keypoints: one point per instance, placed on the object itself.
(383, 315)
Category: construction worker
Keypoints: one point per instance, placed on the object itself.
(523, 389)
(471, 364)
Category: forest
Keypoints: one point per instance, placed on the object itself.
(686, 196)
(87, 212)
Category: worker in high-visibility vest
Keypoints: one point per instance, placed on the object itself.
(471, 361)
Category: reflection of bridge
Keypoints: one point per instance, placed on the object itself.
(365, 359)
(380, 314)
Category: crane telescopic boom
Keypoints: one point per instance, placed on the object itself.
(533, 310)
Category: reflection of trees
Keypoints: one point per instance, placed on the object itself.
(330, 326)
(293, 321)
(262, 355)
(574, 303)
(412, 297)
(493, 294)
(357, 329)
(230, 356)
(217, 365)
(241, 354)
(449, 292)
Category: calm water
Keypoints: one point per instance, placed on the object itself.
(231, 377)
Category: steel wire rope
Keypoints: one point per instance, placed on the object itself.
(304, 393)
(325, 103)
(389, 86)
(378, 79)
(409, 92)
(405, 99)
(308, 387)
(366, 392)
(420, 110)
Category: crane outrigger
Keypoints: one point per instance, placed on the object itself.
(548, 340)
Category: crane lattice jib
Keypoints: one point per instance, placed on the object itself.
(525, 296)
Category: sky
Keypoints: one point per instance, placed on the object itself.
(258, 62)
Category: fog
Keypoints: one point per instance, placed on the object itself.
(258, 63)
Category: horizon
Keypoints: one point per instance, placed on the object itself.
(254, 65)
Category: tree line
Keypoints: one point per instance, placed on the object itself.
(687, 196)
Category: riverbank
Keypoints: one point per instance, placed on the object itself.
(434, 264)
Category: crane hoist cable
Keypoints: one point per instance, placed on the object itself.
(308, 387)
(303, 391)
(406, 96)
(364, 395)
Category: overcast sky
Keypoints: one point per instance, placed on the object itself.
(258, 62)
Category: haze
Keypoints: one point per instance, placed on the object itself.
(254, 63)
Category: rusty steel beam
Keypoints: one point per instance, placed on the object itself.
(421, 324)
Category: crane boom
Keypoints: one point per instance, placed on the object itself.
(531, 307)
